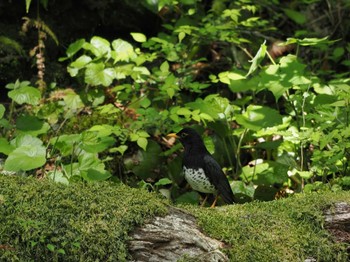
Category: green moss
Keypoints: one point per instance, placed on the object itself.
(44, 221)
(283, 230)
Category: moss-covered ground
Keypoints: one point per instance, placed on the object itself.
(45, 221)
(289, 229)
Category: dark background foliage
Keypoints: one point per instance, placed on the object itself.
(93, 87)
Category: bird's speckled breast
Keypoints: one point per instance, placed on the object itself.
(198, 181)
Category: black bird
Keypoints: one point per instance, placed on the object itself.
(201, 170)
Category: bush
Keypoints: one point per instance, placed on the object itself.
(46, 221)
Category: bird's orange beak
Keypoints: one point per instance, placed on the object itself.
(172, 135)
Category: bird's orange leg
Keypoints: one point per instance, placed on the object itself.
(214, 203)
(204, 200)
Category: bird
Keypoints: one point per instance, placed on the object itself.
(200, 169)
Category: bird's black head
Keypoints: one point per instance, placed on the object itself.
(189, 138)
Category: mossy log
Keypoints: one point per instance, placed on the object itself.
(45, 221)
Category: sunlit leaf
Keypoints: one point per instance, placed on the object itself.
(124, 50)
(96, 74)
(138, 37)
(163, 182)
(25, 95)
(29, 154)
(257, 58)
(183, 111)
(257, 117)
(101, 45)
(142, 142)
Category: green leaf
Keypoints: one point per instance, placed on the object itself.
(164, 67)
(25, 95)
(50, 247)
(163, 182)
(258, 117)
(73, 100)
(226, 77)
(81, 62)
(142, 142)
(96, 74)
(138, 37)
(181, 36)
(102, 46)
(5, 146)
(93, 144)
(145, 102)
(66, 143)
(183, 111)
(309, 41)
(58, 176)
(120, 149)
(170, 92)
(243, 192)
(61, 251)
(28, 5)
(124, 50)
(97, 175)
(73, 49)
(257, 58)
(29, 155)
(2, 111)
(26, 140)
(305, 174)
(265, 173)
(31, 125)
(296, 16)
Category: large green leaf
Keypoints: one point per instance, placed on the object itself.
(265, 173)
(123, 51)
(72, 100)
(31, 125)
(96, 74)
(29, 154)
(102, 46)
(92, 143)
(25, 95)
(258, 117)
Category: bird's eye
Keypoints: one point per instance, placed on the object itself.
(184, 134)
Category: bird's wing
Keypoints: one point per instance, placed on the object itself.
(213, 170)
